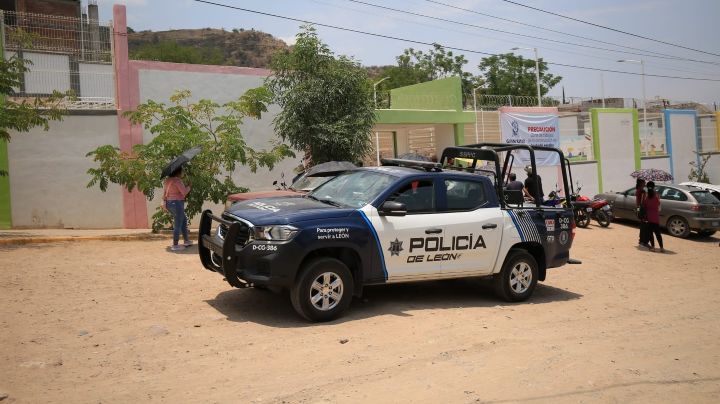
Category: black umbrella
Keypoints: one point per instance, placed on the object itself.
(329, 169)
(179, 161)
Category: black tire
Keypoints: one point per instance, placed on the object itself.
(582, 219)
(602, 218)
(678, 226)
(302, 294)
(508, 283)
(706, 233)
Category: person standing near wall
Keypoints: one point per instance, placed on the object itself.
(174, 195)
(640, 196)
(652, 209)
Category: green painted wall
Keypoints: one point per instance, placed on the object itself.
(443, 94)
(459, 132)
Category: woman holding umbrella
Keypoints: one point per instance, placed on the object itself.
(174, 195)
(652, 209)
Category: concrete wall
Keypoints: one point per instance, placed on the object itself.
(48, 72)
(616, 147)
(96, 80)
(444, 137)
(48, 175)
(682, 131)
(159, 85)
(713, 168)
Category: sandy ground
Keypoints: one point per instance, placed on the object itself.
(128, 321)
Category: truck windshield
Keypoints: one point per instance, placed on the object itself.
(354, 188)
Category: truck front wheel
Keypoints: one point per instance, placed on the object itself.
(518, 278)
(323, 290)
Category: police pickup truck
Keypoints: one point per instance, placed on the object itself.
(401, 222)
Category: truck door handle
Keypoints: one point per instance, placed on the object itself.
(489, 226)
(433, 231)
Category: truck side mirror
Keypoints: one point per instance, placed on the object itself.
(392, 208)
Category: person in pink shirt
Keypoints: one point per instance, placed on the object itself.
(174, 195)
(652, 209)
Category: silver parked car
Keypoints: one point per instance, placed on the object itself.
(683, 209)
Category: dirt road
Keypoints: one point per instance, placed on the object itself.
(94, 321)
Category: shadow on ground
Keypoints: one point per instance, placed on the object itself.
(693, 235)
(274, 309)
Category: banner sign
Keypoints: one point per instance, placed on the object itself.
(533, 130)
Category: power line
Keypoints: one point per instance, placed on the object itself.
(433, 43)
(526, 36)
(468, 32)
(551, 30)
(609, 28)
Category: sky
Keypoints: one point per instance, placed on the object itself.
(690, 23)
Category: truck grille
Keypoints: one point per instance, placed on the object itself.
(243, 235)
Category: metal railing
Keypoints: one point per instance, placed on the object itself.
(85, 39)
(63, 54)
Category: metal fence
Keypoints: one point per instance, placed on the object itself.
(85, 39)
(63, 54)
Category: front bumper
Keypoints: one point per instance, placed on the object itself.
(255, 263)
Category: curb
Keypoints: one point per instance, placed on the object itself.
(40, 239)
(58, 239)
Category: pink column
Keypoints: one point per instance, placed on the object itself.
(135, 211)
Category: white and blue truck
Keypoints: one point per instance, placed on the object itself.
(404, 221)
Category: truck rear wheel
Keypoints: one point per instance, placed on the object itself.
(518, 278)
(323, 290)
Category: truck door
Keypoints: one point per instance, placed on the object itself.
(473, 228)
(405, 239)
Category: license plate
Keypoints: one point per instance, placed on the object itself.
(589, 209)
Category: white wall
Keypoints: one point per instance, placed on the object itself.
(713, 169)
(48, 176)
(683, 131)
(47, 73)
(662, 163)
(96, 80)
(160, 85)
(617, 149)
(586, 175)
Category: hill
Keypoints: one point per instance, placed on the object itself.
(248, 48)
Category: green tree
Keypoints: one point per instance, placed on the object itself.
(24, 113)
(169, 51)
(697, 171)
(509, 74)
(415, 66)
(177, 128)
(326, 101)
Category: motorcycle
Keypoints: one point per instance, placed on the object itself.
(587, 209)
(584, 208)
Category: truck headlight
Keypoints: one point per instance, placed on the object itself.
(273, 233)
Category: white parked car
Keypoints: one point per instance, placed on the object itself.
(713, 189)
